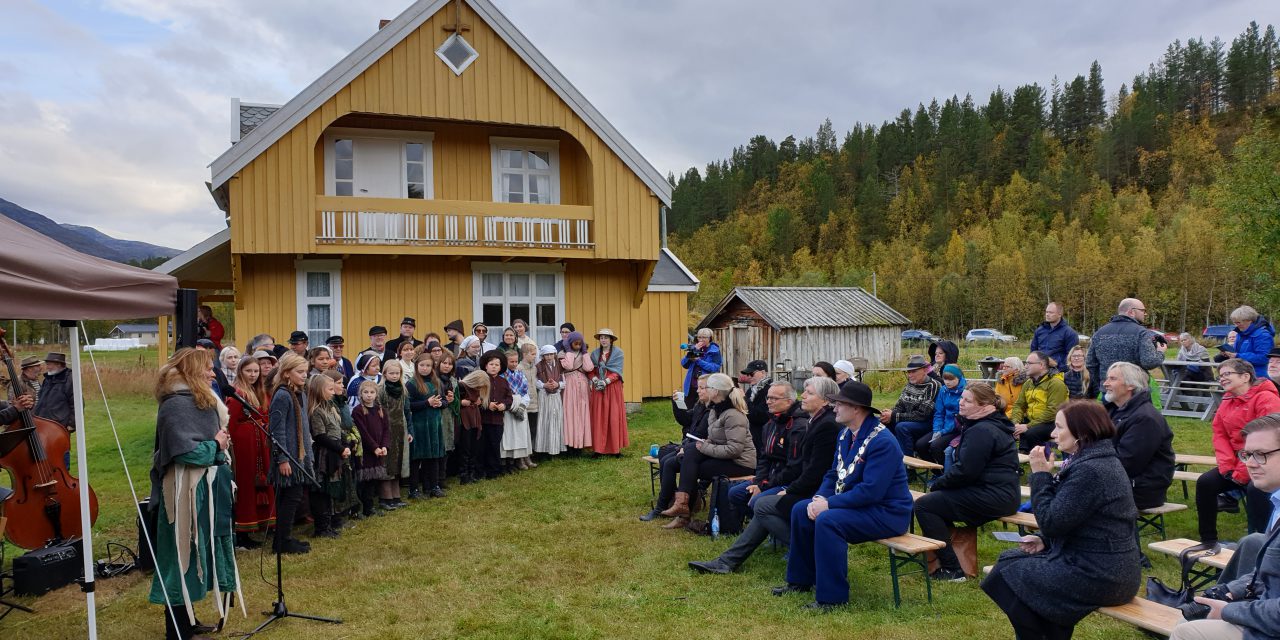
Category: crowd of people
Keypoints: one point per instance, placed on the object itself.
(828, 469)
(307, 435)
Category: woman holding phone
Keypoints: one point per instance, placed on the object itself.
(1085, 555)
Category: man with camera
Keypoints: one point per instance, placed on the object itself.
(700, 358)
(1246, 601)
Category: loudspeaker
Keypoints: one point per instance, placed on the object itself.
(46, 569)
(184, 319)
(146, 527)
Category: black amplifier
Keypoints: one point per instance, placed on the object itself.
(46, 569)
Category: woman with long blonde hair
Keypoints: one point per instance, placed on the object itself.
(289, 424)
(727, 450)
(189, 481)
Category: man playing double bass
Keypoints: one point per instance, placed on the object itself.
(9, 412)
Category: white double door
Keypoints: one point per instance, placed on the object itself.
(378, 168)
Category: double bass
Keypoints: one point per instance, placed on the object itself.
(45, 505)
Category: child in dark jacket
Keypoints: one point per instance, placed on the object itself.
(375, 437)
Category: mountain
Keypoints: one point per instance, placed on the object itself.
(85, 239)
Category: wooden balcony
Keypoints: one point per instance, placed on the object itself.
(445, 227)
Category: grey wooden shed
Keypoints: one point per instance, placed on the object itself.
(805, 325)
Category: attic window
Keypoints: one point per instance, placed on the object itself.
(457, 53)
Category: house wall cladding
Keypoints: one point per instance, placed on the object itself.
(272, 200)
(435, 290)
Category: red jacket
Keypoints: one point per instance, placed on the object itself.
(1234, 413)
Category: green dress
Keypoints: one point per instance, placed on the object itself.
(449, 413)
(425, 423)
(215, 549)
(395, 403)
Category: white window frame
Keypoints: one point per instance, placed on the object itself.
(425, 138)
(334, 300)
(498, 144)
(478, 271)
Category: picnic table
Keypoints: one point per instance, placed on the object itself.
(1185, 398)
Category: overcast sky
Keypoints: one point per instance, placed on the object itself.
(111, 110)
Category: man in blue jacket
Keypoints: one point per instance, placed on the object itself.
(863, 497)
(1254, 338)
(1054, 336)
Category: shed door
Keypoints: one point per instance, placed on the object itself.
(744, 346)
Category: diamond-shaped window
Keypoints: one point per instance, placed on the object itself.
(457, 53)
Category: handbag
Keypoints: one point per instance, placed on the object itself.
(1159, 592)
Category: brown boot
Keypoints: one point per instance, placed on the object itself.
(679, 506)
(678, 522)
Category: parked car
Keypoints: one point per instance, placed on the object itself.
(1217, 332)
(1170, 336)
(917, 336)
(978, 335)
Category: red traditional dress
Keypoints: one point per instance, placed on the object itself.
(608, 409)
(255, 505)
(577, 404)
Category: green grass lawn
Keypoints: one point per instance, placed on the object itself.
(554, 552)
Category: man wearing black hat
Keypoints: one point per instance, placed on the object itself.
(378, 340)
(300, 343)
(912, 416)
(756, 377)
(1273, 365)
(453, 331)
(32, 367)
(343, 365)
(56, 401)
(407, 327)
(863, 497)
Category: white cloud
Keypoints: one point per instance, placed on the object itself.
(110, 110)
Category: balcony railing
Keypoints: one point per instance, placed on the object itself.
(444, 223)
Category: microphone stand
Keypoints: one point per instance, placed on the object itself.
(278, 608)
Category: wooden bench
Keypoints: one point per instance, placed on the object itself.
(1184, 477)
(1139, 612)
(918, 469)
(654, 472)
(1153, 518)
(1023, 521)
(1199, 577)
(1184, 459)
(906, 550)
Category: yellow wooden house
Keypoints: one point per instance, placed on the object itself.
(444, 169)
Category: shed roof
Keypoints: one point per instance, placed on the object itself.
(138, 328)
(798, 307)
(284, 119)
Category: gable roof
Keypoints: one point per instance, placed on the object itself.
(670, 274)
(799, 307)
(279, 123)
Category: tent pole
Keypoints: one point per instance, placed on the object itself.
(82, 470)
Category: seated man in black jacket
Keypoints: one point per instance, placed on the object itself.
(1143, 440)
(772, 513)
(693, 420)
(778, 459)
(757, 381)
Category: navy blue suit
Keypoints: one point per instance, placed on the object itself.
(875, 504)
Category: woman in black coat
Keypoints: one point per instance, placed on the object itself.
(982, 482)
(1086, 554)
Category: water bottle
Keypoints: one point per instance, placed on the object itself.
(715, 526)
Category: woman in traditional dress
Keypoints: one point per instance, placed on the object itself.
(255, 502)
(191, 493)
(289, 423)
(516, 445)
(608, 409)
(426, 453)
(395, 404)
(549, 438)
(576, 364)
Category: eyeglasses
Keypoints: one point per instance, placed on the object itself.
(775, 398)
(1259, 457)
(482, 331)
(1223, 374)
